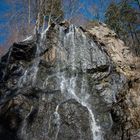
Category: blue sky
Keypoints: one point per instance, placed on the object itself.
(4, 7)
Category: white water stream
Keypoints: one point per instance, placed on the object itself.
(68, 85)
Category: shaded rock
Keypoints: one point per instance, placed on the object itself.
(69, 83)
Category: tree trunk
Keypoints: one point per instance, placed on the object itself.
(29, 12)
(138, 1)
(50, 15)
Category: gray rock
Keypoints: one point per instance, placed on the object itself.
(65, 86)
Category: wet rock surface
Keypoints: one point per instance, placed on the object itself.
(63, 85)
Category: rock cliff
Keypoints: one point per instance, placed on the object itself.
(69, 83)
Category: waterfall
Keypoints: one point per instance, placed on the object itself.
(29, 79)
(29, 76)
(68, 84)
(57, 121)
(96, 132)
(71, 55)
(73, 47)
(23, 133)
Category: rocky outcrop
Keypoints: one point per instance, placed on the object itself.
(127, 107)
(69, 83)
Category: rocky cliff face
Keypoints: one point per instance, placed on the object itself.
(68, 84)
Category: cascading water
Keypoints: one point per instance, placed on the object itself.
(67, 88)
(30, 74)
(70, 74)
(68, 85)
(57, 119)
(94, 127)
(29, 78)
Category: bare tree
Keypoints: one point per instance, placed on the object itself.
(71, 8)
(29, 9)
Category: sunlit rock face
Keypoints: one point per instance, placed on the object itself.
(60, 85)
